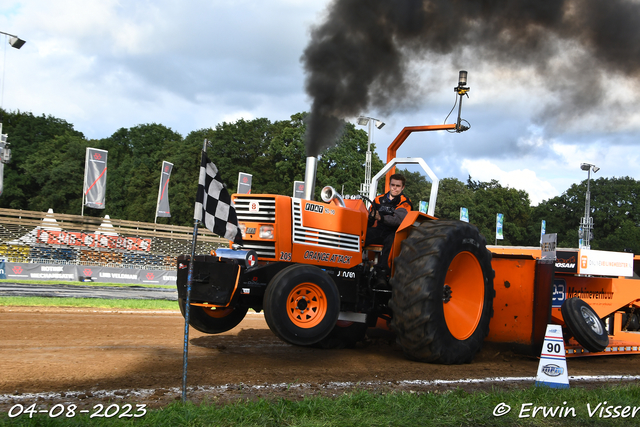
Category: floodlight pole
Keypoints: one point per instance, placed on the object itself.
(362, 120)
(15, 41)
(5, 152)
(586, 223)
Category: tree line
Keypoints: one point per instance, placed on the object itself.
(47, 171)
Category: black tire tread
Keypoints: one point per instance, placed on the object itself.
(581, 331)
(417, 285)
(201, 321)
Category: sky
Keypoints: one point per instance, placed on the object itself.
(103, 65)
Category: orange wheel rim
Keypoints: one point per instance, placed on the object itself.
(218, 313)
(306, 305)
(463, 296)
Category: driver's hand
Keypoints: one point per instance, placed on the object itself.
(378, 217)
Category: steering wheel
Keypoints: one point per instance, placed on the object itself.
(374, 206)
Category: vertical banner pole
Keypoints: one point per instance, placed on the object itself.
(188, 301)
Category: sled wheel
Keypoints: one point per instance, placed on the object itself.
(301, 304)
(585, 325)
(213, 320)
(442, 292)
(343, 335)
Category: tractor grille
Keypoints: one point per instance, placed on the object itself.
(323, 238)
(263, 249)
(256, 209)
(260, 210)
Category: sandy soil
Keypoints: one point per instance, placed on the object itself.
(84, 356)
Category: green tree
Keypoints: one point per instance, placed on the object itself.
(614, 210)
(133, 174)
(57, 168)
(183, 186)
(416, 188)
(491, 198)
(453, 194)
(33, 138)
(343, 165)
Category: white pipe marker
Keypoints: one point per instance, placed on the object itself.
(552, 369)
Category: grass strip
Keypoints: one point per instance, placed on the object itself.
(609, 405)
(141, 304)
(78, 283)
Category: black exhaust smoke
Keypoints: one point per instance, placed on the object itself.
(358, 58)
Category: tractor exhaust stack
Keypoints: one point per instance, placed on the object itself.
(310, 177)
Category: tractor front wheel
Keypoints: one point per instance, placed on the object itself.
(301, 304)
(442, 292)
(213, 320)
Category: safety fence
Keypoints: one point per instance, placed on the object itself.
(51, 238)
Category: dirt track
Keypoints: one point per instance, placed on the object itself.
(86, 356)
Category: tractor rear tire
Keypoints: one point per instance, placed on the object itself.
(442, 293)
(585, 325)
(213, 320)
(301, 304)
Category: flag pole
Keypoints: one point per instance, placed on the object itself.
(155, 220)
(188, 300)
(84, 181)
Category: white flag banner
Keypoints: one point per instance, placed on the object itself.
(162, 209)
(95, 178)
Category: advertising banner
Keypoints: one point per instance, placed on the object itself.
(499, 225)
(92, 240)
(128, 275)
(567, 261)
(95, 178)
(244, 183)
(604, 263)
(424, 206)
(543, 229)
(23, 271)
(298, 189)
(464, 214)
(162, 209)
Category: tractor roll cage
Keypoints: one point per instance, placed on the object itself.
(408, 161)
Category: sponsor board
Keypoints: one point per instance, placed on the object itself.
(604, 263)
(22, 271)
(566, 262)
(559, 293)
(93, 240)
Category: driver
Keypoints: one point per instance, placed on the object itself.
(386, 214)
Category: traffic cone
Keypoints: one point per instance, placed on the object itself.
(552, 369)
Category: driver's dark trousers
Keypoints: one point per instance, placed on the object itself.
(381, 236)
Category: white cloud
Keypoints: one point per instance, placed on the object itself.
(520, 179)
(106, 64)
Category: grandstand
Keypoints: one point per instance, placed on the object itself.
(50, 238)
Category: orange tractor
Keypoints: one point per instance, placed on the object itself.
(315, 279)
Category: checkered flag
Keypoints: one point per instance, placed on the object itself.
(214, 207)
